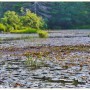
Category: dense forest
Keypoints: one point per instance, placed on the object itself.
(56, 15)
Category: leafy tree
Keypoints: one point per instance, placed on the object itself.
(2, 27)
(32, 20)
(11, 19)
(64, 15)
(68, 15)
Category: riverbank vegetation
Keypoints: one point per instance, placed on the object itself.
(28, 23)
(55, 15)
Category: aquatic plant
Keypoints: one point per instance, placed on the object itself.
(34, 62)
(31, 62)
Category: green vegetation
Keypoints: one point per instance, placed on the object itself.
(33, 62)
(42, 34)
(27, 23)
(27, 30)
(14, 23)
(2, 27)
(11, 20)
(32, 20)
(83, 27)
(41, 15)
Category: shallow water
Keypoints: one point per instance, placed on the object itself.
(13, 71)
(67, 37)
(71, 72)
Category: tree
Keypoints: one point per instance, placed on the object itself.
(2, 27)
(32, 20)
(64, 15)
(68, 15)
(41, 8)
(11, 19)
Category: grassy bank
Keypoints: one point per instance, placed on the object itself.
(24, 31)
(41, 33)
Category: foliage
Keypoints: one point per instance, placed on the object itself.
(15, 23)
(69, 15)
(26, 30)
(42, 34)
(57, 15)
(11, 20)
(32, 20)
(2, 27)
(8, 28)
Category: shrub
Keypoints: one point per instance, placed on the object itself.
(27, 30)
(8, 28)
(11, 19)
(2, 27)
(31, 30)
(42, 34)
(32, 20)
